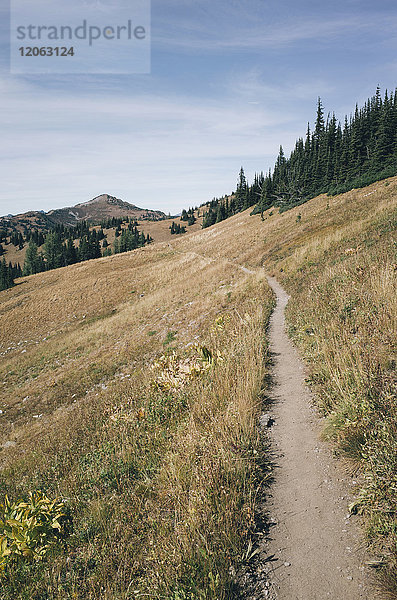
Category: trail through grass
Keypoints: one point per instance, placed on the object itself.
(161, 484)
(156, 460)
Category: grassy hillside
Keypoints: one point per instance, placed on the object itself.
(159, 231)
(111, 400)
(337, 259)
(108, 403)
(343, 315)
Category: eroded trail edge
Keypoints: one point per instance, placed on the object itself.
(314, 549)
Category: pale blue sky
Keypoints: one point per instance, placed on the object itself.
(230, 82)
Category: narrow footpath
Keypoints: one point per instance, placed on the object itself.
(314, 550)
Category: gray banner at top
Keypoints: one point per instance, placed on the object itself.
(54, 36)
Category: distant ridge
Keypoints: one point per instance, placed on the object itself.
(99, 208)
(102, 207)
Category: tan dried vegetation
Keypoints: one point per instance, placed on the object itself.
(158, 478)
(161, 482)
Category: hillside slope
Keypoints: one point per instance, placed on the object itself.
(158, 468)
(97, 408)
(101, 207)
(152, 223)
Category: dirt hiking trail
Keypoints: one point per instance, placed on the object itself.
(317, 548)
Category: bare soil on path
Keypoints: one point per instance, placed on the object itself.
(314, 549)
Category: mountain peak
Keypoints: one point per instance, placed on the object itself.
(107, 199)
(97, 209)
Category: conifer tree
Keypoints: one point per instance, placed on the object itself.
(241, 191)
(335, 158)
(34, 262)
(6, 279)
(267, 197)
(71, 256)
(54, 251)
(319, 128)
(220, 213)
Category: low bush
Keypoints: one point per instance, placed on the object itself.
(29, 529)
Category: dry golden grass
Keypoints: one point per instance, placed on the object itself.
(343, 314)
(156, 482)
(160, 485)
(14, 255)
(158, 230)
(338, 262)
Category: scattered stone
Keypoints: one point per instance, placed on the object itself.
(266, 420)
(9, 444)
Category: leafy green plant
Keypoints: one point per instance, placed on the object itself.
(28, 529)
(172, 373)
(169, 338)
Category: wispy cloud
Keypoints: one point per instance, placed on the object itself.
(247, 29)
(231, 80)
(72, 144)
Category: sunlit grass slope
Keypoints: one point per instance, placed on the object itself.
(130, 389)
(157, 466)
(337, 258)
(343, 315)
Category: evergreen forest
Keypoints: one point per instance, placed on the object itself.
(62, 245)
(331, 158)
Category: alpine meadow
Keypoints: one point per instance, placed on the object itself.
(134, 459)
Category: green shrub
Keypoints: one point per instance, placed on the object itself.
(28, 529)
